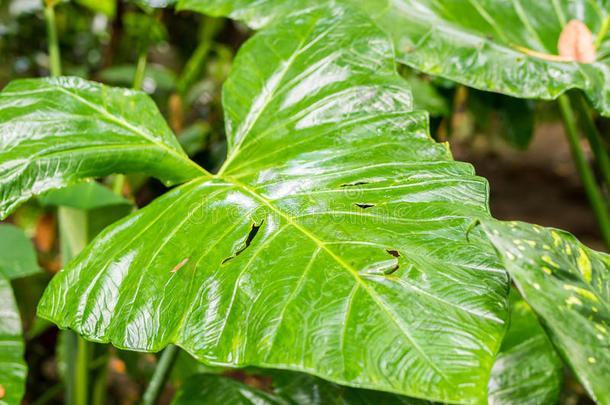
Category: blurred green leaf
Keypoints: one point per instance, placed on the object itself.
(289, 388)
(158, 76)
(107, 7)
(18, 256)
(515, 117)
(426, 96)
(85, 196)
(194, 138)
(13, 370)
(527, 369)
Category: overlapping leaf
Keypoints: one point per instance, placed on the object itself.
(527, 369)
(568, 286)
(494, 45)
(289, 388)
(332, 241)
(481, 43)
(87, 195)
(12, 366)
(55, 132)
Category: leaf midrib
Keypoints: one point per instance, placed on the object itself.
(343, 264)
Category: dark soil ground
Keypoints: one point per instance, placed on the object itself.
(539, 185)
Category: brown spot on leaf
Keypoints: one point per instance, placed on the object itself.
(576, 43)
(179, 265)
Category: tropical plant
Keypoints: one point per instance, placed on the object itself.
(338, 248)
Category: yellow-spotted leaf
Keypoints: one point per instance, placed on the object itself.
(568, 286)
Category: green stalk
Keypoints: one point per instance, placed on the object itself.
(119, 179)
(81, 389)
(595, 141)
(100, 376)
(155, 388)
(595, 196)
(73, 239)
(54, 60)
(602, 32)
(140, 70)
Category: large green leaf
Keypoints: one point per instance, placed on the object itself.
(332, 241)
(289, 389)
(18, 257)
(55, 132)
(568, 286)
(12, 366)
(475, 42)
(527, 369)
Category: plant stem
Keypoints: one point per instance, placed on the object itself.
(54, 60)
(98, 390)
(595, 197)
(602, 32)
(140, 70)
(588, 126)
(119, 179)
(157, 382)
(81, 388)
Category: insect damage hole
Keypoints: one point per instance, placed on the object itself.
(356, 183)
(253, 231)
(365, 205)
(393, 252)
(392, 270)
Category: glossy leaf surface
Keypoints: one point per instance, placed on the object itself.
(13, 370)
(527, 369)
(332, 241)
(289, 388)
(486, 44)
(55, 132)
(18, 258)
(567, 285)
(480, 43)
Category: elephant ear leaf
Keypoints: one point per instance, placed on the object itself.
(59, 131)
(527, 370)
(527, 49)
(568, 286)
(334, 209)
(13, 369)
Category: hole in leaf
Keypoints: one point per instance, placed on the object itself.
(365, 205)
(392, 270)
(392, 252)
(356, 183)
(249, 239)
